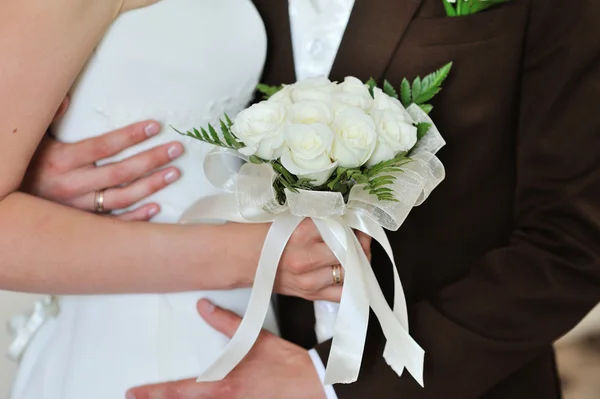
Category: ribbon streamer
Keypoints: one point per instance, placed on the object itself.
(249, 198)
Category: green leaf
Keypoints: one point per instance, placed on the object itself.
(214, 135)
(426, 108)
(422, 129)
(229, 123)
(416, 89)
(267, 91)
(431, 84)
(450, 11)
(255, 159)
(231, 142)
(389, 89)
(372, 84)
(205, 135)
(405, 93)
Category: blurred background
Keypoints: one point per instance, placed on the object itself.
(578, 353)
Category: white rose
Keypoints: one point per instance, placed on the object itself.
(395, 134)
(282, 96)
(313, 89)
(307, 112)
(382, 102)
(260, 128)
(307, 152)
(355, 138)
(355, 93)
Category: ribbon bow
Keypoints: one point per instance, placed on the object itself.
(249, 198)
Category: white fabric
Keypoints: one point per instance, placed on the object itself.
(317, 30)
(181, 62)
(318, 27)
(316, 359)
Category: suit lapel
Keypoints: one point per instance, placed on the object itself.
(279, 67)
(374, 32)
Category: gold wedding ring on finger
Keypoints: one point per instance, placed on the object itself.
(99, 201)
(336, 271)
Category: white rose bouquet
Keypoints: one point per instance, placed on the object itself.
(349, 155)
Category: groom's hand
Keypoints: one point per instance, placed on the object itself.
(274, 369)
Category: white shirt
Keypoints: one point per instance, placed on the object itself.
(317, 30)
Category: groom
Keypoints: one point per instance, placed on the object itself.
(504, 257)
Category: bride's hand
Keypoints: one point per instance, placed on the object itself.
(67, 173)
(306, 267)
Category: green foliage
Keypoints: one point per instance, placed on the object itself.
(267, 91)
(461, 8)
(372, 84)
(226, 139)
(423, 90)
(287, 180)
(389, 89)
(422, 129)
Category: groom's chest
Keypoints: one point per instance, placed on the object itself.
(476, 112)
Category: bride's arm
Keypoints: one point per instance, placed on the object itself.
(49, 248)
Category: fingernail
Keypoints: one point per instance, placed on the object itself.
(175, 150)
(152, 129)
(207, 305)
(153, 211)
(130, 395)
(171, 176)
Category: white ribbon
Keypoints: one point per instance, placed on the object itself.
(250, 198)
(23, 327)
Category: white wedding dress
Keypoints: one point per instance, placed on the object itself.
(184, 63)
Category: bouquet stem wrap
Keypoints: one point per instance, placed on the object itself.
(249, 198)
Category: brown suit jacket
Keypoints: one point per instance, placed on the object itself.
(504, 257)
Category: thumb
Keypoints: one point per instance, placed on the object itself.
(222, 320)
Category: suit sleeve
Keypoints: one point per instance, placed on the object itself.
(518, 299)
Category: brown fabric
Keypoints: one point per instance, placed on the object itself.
(504, 257)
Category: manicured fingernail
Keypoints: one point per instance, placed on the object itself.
(130, 395)
(152, 129)
(153, 211)
(171, 176)
(175, 150)
(207, 305)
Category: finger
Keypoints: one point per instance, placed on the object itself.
(185, 389)
(317, 280)
(306, 232)
(128, 170)
(222, 320)
(125, 196)
(141, 214)
(331, 294)
(97, 148)
(305, 261)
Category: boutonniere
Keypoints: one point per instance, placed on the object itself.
(459, 8)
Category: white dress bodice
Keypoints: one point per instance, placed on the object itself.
(183, 63)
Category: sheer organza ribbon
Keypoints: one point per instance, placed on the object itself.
(249, 198)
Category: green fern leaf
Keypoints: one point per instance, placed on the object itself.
(416, 89)
(267, 91)
(422, 129)
(215, 136)
(405, 93)
(431, 84)
(372, 84)
(427, 108)
(389, 89)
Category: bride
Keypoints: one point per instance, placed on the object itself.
(185, 63)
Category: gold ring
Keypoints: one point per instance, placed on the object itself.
(336, 270)
(99, 201)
